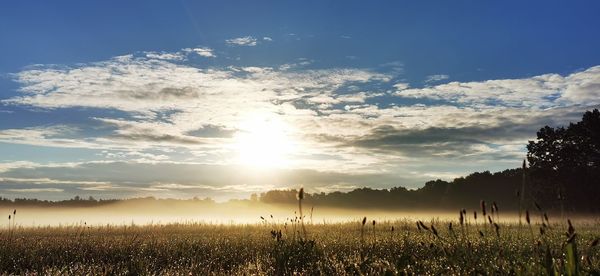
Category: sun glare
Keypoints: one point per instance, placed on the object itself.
(264, 141)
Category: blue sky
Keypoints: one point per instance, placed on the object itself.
(328, 95)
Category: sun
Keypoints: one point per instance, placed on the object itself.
(264, 141)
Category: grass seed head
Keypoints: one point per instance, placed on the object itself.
(571, 229)
(497, 228)
(434, 231)
(483, 208)
(423, 225)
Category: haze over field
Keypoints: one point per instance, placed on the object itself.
(141, 215)
(224, 215)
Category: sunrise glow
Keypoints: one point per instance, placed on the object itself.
(264, 141)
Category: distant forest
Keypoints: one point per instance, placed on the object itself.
(563, 175)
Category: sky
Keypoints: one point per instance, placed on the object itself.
(222, 99)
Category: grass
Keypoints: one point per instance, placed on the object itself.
(270, 248)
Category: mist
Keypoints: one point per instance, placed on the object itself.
(133, 213)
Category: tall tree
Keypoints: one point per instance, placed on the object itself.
(565, 163)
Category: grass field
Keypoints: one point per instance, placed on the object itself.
(352, 248)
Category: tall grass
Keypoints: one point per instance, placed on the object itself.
(204, 249)
(268, 248)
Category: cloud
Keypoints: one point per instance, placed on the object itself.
(165, 55)
(157, 111)
(212, 131)
(301, 62)
(242, 41)
(541, 91)
(56, 136)
(17, 164)
(395, 67)
(147, 132)
(401, 86)
(436, 78)
(49, 181)
(36, 190)
(181, 109)
(175, 56)
(583, 87)
(266, 38)
(139, 85)
(126, 179)
(203, 51)
(450, 142)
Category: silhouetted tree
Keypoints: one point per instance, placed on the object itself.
(565, 163)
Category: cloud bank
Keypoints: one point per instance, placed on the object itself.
(353, 126)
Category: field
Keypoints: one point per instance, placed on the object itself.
(352, 248)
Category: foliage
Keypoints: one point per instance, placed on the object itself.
(565, 164)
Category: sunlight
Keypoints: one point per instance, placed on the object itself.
(264, 141)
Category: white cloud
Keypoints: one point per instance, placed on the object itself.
(16, 164)
(54, 136)
(543, 91)
(165, 55)
(242, 41)
(266, 38)
(202, 51)
(128, 179)
(35, 190)
(583, 87)
(401, 86)
(301, 62)
(48, 181)
(436, 78)
(192, 98)
(330, 112)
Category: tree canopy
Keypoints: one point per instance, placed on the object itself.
(565, 163)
